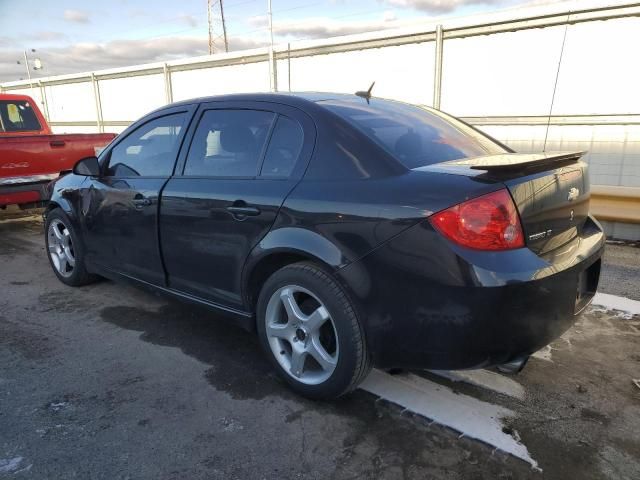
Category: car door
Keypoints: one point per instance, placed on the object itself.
(121, 220)
(243, 160)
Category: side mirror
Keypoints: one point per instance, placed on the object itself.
(88, 167)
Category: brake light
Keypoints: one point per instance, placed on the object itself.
(488, 222)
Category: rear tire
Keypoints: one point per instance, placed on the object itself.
(65, 250)
(309, 329)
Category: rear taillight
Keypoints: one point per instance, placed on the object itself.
(489, 222)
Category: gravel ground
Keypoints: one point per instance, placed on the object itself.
(108, 381)
(621, 275)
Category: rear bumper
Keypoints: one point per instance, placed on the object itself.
(23, 190)
(429, 304)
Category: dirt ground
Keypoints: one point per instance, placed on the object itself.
(111, 382)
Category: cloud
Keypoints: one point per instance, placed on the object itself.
(389, 16)
(5, 41)
(92, 56)
(324, 27)
(47, 36)
(76, 16)
(86, 57)
(190, 20)
(440, 6)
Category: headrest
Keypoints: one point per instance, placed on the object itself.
(409, 145)
(237, 139)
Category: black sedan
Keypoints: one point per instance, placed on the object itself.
(348, 231)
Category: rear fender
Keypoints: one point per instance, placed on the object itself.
(297, 242)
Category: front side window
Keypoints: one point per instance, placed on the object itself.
(413, 135)
(229, 143)
(150, 150)
(18, 116)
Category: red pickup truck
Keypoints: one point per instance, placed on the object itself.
(31, 155)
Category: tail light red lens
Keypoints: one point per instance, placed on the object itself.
(489, 222)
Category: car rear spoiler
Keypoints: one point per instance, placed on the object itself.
(505, 162)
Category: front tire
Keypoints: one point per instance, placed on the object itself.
(309, 329)
(65, 250)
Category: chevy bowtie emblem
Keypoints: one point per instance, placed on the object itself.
(573, 194)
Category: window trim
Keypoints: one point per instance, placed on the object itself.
(281, 177)
(263, 152)
(304, 119)
(104, 164)
(35, 117)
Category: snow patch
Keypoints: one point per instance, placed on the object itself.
(544, 354)
(467, 415)
(9, 464)
(485, 379)
(614, 302)
(29, 218)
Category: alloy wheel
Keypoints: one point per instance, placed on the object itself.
(301, 334)
(61, 248)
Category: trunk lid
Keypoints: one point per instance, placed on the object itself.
(550, 190)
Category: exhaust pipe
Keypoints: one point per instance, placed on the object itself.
(514, 366)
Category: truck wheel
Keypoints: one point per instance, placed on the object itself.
(64, 247)
(311, 333)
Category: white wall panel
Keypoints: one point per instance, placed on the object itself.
(73, 102)
(502, 74)
(131, 98)
(86, 129)
(402, 73)
(283, 76)
(79, 129)
(252, 77)
(613, 151)
(600, 73)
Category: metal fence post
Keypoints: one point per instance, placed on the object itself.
(273, 71)
(289, 65)
(96, 95)
(43, 98)
(437, 71)
(168, 86)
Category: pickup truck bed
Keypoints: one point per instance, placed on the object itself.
(31, 155)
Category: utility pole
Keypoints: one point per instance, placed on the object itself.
(224, 28)
(211, 4)
(26, 65)
(273, 73)
(210, 27)
(37, 65)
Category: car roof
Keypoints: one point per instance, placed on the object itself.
(13, 96)
(295, 99)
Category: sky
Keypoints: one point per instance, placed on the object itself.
(71, 36)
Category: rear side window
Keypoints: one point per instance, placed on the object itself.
(229, 143)
(413, 135)
(17, 116)
(150, 150)
(284, 148)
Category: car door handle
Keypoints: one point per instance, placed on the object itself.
(141, 201)
(57, 143)
(244, 211)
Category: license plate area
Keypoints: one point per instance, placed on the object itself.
(587, 286)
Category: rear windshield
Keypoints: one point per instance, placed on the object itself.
(415, 136)
(17, 116)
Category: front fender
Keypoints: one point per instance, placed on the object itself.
(63, 192)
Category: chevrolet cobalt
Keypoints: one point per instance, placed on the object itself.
(347, 231)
